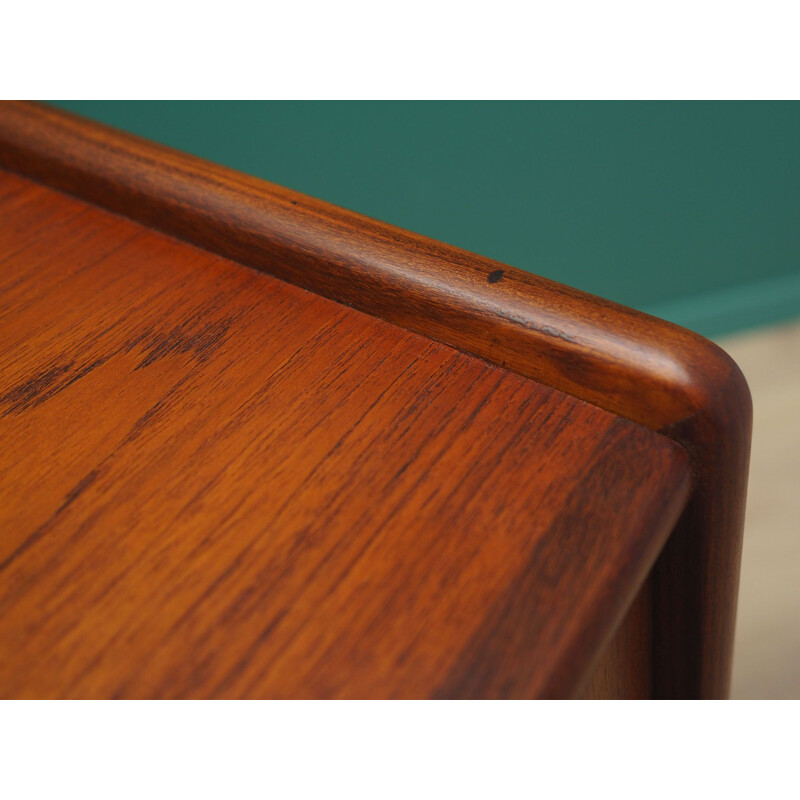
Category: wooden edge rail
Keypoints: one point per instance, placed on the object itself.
(639, 367)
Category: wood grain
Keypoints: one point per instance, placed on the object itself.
(624, 671)
(216, 484)
(646, 370)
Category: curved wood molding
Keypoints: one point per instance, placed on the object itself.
(639, 367)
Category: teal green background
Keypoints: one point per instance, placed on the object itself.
(689, 210)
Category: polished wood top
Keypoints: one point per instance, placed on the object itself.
(217, 484)
(643, 369)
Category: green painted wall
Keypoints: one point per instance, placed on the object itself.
(690, 210)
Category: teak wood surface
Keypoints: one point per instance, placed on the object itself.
(216, 483)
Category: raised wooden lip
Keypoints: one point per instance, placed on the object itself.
(647, 370)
